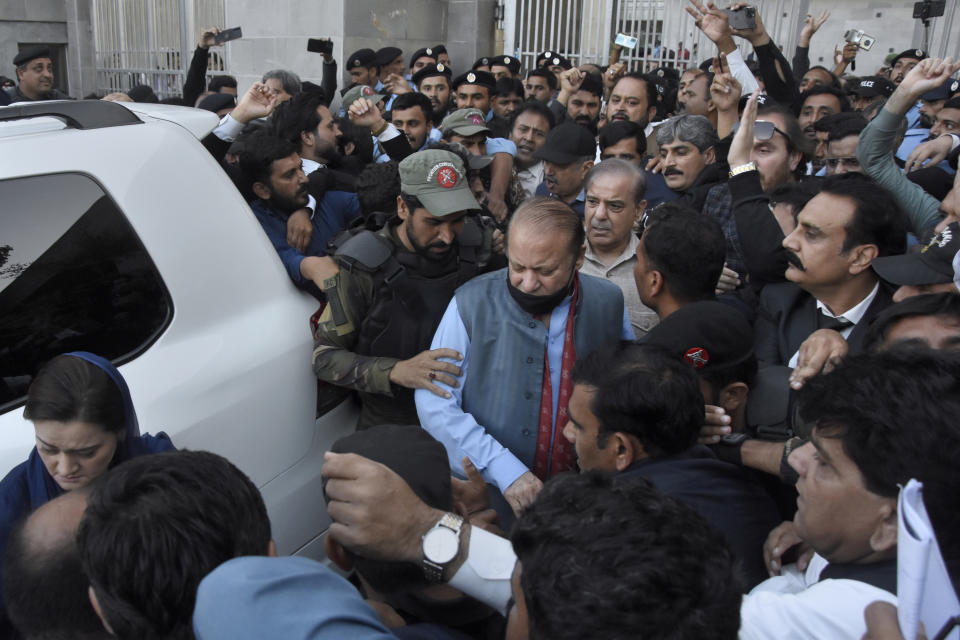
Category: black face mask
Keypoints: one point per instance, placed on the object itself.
(539, 305)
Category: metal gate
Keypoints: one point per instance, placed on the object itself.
(583, 30)
(150, 42)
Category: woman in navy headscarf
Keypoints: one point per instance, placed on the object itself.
(85, 424)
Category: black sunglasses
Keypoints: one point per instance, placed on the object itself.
(762, 130)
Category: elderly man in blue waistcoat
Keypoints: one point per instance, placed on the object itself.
(520, 330)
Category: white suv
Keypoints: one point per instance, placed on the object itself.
(121, 235)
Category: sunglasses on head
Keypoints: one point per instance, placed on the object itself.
(762, 130)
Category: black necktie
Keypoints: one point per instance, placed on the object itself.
(827, 322)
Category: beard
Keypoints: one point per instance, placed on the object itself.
(588, 123)
(289, 205)
(427, 251)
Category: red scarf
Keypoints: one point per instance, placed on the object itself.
(563, 457)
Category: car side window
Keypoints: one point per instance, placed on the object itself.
(73, 276)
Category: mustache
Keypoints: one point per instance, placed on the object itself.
(619, 114)
(793, 259)
(672, 171)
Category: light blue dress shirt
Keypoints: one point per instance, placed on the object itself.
(457, 430)
(498, 145)
(291, 598)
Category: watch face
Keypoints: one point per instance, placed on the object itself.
(440, 545)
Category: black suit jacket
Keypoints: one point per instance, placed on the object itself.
(788, 315)
(727, 496)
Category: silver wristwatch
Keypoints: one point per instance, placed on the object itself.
(440, 546)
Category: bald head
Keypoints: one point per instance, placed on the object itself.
(545, 216)
(53, 526)
(44, 587)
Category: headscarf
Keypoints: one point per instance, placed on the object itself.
(41, 485)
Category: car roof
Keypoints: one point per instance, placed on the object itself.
(30, 117)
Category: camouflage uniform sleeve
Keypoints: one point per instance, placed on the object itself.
(489, 261)
(349, 297)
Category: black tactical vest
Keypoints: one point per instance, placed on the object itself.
(412, 292)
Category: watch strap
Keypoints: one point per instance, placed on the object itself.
(433, 570)
(742, 168)
(729, 448)
(787, 473)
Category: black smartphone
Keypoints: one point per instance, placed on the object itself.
(320, 45)
(742, 18)
(929, 9)
(228, 34)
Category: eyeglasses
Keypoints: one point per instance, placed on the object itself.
(850, 163)
(762, 130)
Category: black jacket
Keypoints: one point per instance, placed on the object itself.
(728, 496)
(788, 315)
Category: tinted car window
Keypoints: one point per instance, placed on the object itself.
(73, 276)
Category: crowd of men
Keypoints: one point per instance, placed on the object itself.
(637, 353)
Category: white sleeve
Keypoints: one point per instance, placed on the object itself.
(828, 609)
(740, 71)
(228, 129)
(485, 574)
(389, 133)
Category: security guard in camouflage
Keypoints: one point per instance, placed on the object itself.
(393, 287)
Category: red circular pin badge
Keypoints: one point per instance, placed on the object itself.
(476, 119)
(697, 356)
(447, 177)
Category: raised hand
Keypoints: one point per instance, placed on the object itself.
(208, 38)
(712, 21)
(725, 92)
(742, 143)
(364, 112)
(928, 75)
(810, 26)
(257, 102)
